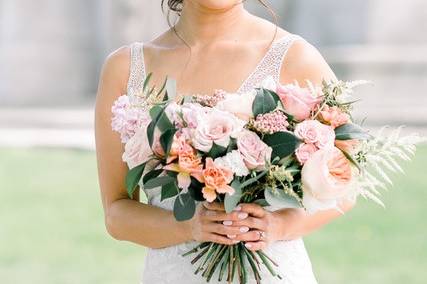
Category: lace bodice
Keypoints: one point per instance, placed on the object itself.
(163, 266)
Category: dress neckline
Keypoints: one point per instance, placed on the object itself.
(248, 78)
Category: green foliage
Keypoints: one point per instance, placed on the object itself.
(217, 151)
(133, 177)
(184, 207)
(264, 102)
(231, 201)
(159, 181)
(282, 143)
(166, 140)
(169, 190)
(278, 198)
(351, 131)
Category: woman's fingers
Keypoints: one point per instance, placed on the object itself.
(252, 209)
(226, 230)
(214, 215)
(251, 222)
(254, 246)
(251, 236)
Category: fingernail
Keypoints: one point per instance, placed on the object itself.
(238, 208)
(244, 229)
(248, 245)
(236, 241)
(231, 236)
(242, 216)
(227, 223)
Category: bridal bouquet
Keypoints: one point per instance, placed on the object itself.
(279, 145)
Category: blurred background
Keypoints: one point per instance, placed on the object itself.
(51, 52)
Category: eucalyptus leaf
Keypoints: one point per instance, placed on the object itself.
(184, 207)
(195, 189)
(231, 201)
(159, 181)
(217, 151)
(264, 102)
(280, 199)
(351, 131)
(147, 81)
(282, 143)
(150, 175)
(166, 140)
(169, 190)
(133, 177)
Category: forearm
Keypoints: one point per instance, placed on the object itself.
(297, 223)
(143, 224)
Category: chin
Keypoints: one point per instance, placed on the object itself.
(217, 4)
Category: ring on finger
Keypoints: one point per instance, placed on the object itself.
(262, 235)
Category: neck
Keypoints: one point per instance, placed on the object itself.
(199, 25)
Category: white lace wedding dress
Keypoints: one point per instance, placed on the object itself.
(167, 265)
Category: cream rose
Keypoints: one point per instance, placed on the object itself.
(254, 151)
(137, 149)
(239, 105)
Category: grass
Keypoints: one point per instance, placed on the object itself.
(52, 231)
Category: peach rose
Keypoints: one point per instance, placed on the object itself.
(298, 102)
(217, 180)
(254, 151)
(348, 146)
(327, 178)
(305, 151)
(334, 116)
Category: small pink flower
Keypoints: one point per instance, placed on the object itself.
(305, 151)
(126, 119)
(272, 122)
(297, 101)
(217, 180)
(334, 116)
(211, 100)
(254, 151)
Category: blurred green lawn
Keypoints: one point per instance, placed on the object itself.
(52, 231)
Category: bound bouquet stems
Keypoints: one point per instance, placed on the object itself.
(231, 262)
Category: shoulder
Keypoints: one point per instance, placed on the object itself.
(304, 62)
(116, 68)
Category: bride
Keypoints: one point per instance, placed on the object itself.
(216, 44)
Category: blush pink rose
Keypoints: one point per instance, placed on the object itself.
(216, 127)
(298, 102)
(348, 146)
(305, 151)
(217, 180)
(334, 116)
(314, 132)
(137, 149)
(327, 178)
(254, 151)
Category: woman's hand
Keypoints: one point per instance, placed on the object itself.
(210, 224)
(259, 229)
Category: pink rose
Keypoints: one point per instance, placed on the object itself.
(254, 151)
(137, 149)
(327, 178)
(215, 127)
(217, 180)
(314, 132)
(297, 101)
(305, 151)
(334, 116)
